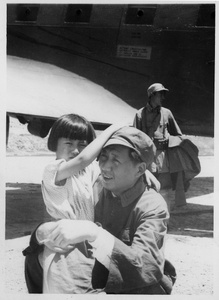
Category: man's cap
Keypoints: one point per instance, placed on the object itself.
(156, 87)
(135, 139)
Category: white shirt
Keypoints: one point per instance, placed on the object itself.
(73, 200)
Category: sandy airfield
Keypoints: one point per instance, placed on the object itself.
(190, 245)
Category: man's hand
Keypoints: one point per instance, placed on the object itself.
(63, 234)
(52, 246)
(158, 135)
(152, 180)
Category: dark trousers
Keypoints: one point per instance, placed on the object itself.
(34, 273)
(34, 276)
(32, 269)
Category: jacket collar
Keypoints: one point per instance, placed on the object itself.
(151, 109)
(133, 193)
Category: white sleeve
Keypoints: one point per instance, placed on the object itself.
(56, 197)
(95, 170)
(103, 247)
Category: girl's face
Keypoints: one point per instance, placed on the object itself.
(68, 149)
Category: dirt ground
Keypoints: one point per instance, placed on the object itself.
(190, 245)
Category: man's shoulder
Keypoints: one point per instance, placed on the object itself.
(151, 199)
(165, 110)
(151, 193)
(167, 114)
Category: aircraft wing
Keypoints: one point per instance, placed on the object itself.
(37, 90)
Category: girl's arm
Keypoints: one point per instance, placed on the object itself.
(86, 157)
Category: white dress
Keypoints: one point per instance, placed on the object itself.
(69, 273)
(74, 200)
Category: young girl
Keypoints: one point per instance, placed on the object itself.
(67, 184)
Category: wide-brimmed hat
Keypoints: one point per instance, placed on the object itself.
(155, 87)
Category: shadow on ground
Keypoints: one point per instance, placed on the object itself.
(25, 210)
(200, 186)
(197, 219)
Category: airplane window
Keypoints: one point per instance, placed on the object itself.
(79, 13)
(140, 15)
(206, 15)
(27, 13)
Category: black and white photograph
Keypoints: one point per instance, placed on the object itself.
(109, 155)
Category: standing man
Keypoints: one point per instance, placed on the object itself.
(127, 238)
(159, 124)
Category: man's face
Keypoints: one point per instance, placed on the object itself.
(157, 98)
(118, 171)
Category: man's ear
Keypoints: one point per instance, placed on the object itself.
(141, 168)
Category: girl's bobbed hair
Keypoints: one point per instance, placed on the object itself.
(72, 127)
